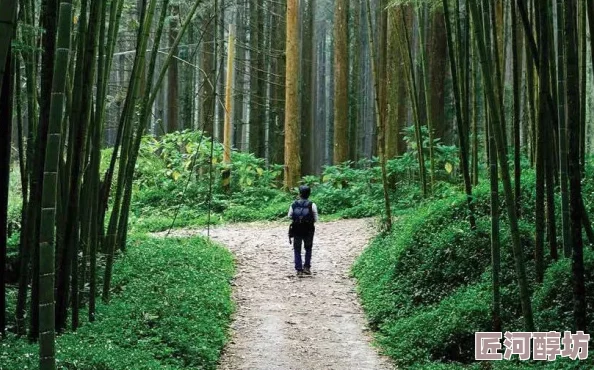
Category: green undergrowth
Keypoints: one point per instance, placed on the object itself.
(170, 309)
(173, 182)
(426, 287)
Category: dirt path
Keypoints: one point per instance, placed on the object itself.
(288, 323)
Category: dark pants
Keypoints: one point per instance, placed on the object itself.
(307, 240)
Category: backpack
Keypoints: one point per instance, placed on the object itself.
(303, 211)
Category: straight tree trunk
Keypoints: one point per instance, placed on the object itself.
(173, 76)
(397, 102)
(341, 79)
(488, 78)
(292, 122)
(541, 139)
(208, 66)
(412, 92)
(6, 91)
(583, 45)
(381, 120)
(278, 117)
(459, 117)
(561, 104)
(354, 79)
(495, 242)
(437, 74)
(517, 120)
(47, 350)
(257, 108)
(7, 19)
(49, 9)
(229, 110)
(220, 109)
(574, 170)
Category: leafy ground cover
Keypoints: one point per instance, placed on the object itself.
(170, 309)
(426, 287)
(176, 180)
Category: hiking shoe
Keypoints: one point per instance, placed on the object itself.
(299, 273)
(307, 271)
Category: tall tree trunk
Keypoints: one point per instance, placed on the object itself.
(413, 93)
(459, 116)
(229, 110)
(173, 76)
(425, 89)
(437, 72)
(6, 91)
(47, 350)
(380, 117)
(574, 170)
(517, 120)
(208, 68)
(278, 117)
(220, 109)
(292, 122)
(397, 105)
(561, 111)
(256, 119)
(354, 78)
(495, 242)
(489, 78)
(583, 45)
(36, 164)
(7, 19)
(541, 138)
(341, 80)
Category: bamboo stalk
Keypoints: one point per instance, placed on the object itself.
(7, 18)
(47, 350)
(502, 157)
(459, 118)
(412, 91)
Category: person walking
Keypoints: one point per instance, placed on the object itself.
(304, 214)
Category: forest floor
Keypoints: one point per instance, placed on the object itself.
(290, 323)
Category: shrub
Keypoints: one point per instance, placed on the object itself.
(426, 286)
(170, 310)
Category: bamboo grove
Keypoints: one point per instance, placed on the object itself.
(301, 83)
(60, 128)
(539, 49)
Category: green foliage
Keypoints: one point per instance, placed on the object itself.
(442, 154)
(173, 179)
(173, 173)
(170, 310)
(554, 300)
(348, 190)
(426, 287)
(15, 204)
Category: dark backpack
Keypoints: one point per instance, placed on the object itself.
(302, 211)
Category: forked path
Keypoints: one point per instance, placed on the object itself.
(288, 323)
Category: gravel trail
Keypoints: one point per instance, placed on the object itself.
(288, 323)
